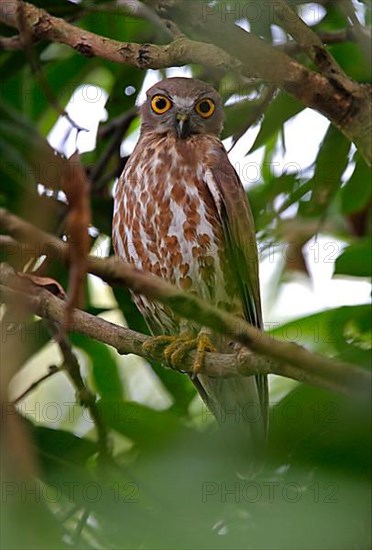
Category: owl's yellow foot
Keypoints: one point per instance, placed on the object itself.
(200, 343)
(174, 348)
(164, 345)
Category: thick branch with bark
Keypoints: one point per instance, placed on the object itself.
(290, 359)
(344, 102)
(310, 42)
(182, 51)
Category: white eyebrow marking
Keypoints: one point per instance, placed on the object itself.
(185, 102)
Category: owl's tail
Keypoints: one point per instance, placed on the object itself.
(240, 407)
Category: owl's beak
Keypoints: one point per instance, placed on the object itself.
(182, 125)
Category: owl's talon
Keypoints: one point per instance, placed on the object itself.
(155, 344)
(203, 345)
(166, 345)
(174, 348)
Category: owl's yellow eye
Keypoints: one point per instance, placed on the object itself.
(205, 108)
(160, 104)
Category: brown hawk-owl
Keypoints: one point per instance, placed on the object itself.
(181, 213)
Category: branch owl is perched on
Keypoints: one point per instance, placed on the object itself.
(181, 213)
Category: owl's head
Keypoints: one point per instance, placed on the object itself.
(183, 107)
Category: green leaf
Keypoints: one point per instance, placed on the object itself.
(351, 59)
(320, 427)
(102, 212)
(357, 191)
(58, 7)
(281, 109)
(11, 65)
(130, 311)
(118, 24)
(105, 370)
(119, 101)
(355, 260)
(26, 519)
(344, 332)
(147, 427)
(69, 465)
(237, 115)
(63, 445)
(333, 20)
(270, 148)
(40, 162)
(330, 164)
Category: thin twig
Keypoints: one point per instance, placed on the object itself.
(52, 370)
(120, 121)
(69, 513)
(121, 127)
(26, 39)
(173, 29)
(259, 109)
(84, 396)
(337, 37)
(79, 528)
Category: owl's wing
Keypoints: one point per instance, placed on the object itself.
(238, 227)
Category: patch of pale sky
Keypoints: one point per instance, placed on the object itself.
(86, 108)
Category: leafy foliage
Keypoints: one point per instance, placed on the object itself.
(171, 482)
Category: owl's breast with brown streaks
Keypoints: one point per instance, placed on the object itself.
(168, 220)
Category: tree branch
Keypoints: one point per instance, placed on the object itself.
(182, 51)
(310, 42)
(292, 48)
(349, 380)
(10, 43)
(43, 303)
(345, 103)
(307, 366)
